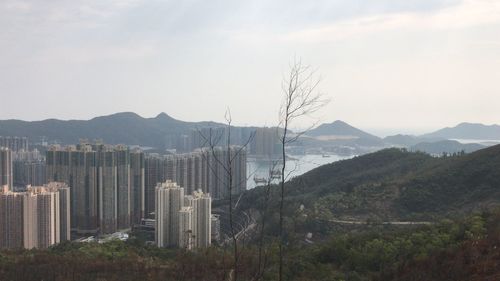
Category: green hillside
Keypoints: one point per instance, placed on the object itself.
(395, 184)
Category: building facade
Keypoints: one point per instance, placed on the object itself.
(107, 185)
(137, 187)
(169, 201)
(202, 219)
(29, 173)
(37, 218)
(186, 228)
(204, 169)
(6, 171)
(182, 221)
(14, 143)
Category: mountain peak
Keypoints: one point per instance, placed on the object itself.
(339, 128)
(163, 115)
(339, 122)
(117, 115)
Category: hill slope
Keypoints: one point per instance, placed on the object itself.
(394, 184)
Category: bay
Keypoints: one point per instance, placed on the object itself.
(296, 165)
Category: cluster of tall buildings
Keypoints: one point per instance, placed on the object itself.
(36, 218)
(182, 221)
(19, 166)
(28, 168)
(14, 143)
(113, 188)
(94, 188)
(204, 169)
(265, 142)
(107, 185)
(259, 141)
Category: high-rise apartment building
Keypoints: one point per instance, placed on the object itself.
(157, 169)
(219, 163)
(265, 142)
(29, 173)
(137, 188)
(186, 228)
(202, 211)
(186, 171)
(12, 219)
(77, 166)
(47, 218)
(169, 201)
(14, 143)
(37, 218)
(6, 173)
(28, 168)
(152, 172)
(123, 183)
(183, 221)
(108, 193)
(107, 184)
(27, 155)
(64, 208)
(202, 169)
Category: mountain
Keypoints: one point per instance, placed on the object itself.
(402, 140)
(338, 128)
(446, 146)
(126, 127)
(343, 133)
(468, 131)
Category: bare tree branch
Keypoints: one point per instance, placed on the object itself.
(300, 99)
(227, 166)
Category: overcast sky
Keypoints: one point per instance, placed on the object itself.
(412, 65)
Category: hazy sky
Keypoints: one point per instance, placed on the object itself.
(406, 64)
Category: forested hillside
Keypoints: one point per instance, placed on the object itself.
(395, 184)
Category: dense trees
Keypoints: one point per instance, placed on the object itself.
(467, 249)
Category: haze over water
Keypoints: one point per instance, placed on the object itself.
(296, 166)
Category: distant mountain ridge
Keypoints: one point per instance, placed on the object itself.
(125, 127)
(467, 131)
(131, 129)
(163, 130)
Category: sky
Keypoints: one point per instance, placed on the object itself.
(387, 66)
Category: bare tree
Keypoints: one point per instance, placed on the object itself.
(213, 141)
(300, 99)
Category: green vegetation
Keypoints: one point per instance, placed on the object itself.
(393, 185)
(381, 253)
(456, 194)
